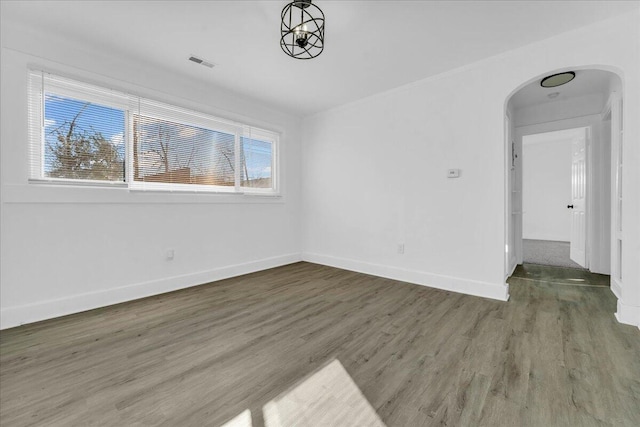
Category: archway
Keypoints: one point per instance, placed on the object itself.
(593, 100)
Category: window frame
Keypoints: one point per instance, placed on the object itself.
(263, 136)
(178, 115)
(42, 83)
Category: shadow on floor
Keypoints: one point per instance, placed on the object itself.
(560, 275)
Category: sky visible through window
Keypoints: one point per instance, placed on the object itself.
(258, 155)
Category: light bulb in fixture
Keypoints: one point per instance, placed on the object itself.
(302, 35)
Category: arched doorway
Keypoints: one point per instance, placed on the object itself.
(590, 103)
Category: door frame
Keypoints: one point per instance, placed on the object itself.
(510, 210)
(613, 109)
(519, 192)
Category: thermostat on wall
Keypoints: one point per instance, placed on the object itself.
(453, 173)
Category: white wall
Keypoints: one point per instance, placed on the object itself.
(376, 177)
(546, 188)
(561, 109)
(66, 249)
(375, 170)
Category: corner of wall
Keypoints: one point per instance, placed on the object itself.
(495, 291)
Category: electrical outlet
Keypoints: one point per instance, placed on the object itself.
(400, 248)
(170, 254)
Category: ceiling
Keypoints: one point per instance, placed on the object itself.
(554, 136)
(586, 82)
(370, 46)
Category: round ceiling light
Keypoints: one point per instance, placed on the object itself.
(558, 79)
(302, 30)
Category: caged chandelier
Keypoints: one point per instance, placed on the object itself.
(302, 30)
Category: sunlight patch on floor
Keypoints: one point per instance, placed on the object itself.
(328, 397)
(243, 419)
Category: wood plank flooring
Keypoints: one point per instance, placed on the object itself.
(560, 275)
(551, 356)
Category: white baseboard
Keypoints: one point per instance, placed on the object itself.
(616, 287)
(628, 314)
(19, 315)
(447, 283)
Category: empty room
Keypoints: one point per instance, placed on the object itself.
(320, 213)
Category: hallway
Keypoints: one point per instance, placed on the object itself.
(547, 252)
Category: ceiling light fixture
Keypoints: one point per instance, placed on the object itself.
(302, 30)
(559, 79)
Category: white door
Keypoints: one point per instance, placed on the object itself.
(577, 206)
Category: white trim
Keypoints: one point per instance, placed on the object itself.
(57, 193)
(513, 269)
(447, 283)
(616, 287)
(628, 314)
(41, 83)
(29, 313)
(508, 197)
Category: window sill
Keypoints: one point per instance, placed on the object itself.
(49, 192)
(78, 183)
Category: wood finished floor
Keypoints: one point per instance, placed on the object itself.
(551, 356)
(560, 275)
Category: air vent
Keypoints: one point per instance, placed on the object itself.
(201, 61)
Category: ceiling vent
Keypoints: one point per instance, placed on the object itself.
(201, 61)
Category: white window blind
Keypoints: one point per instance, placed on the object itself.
(78, 131)
(84, 133)
(257, 160)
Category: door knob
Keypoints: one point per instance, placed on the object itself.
(569, 206)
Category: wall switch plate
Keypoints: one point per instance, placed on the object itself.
(170, 254)
(453, 173)
(400, 248)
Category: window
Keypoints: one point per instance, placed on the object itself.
(170, 152)
(86, 134)
(82, 140)
(257, 161)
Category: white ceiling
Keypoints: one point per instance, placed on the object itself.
(586, 82)
(370, 46)
(555, 136)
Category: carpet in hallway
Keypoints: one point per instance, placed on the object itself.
(547, 252)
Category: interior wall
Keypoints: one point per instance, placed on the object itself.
(376, 169)
(546, 189)
(578, 106)
(68, 248)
